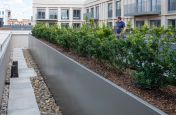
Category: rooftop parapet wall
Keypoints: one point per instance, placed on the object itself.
(5, 47)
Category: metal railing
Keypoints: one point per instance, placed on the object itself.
(18, 27)
(144, 9)
(90, 16)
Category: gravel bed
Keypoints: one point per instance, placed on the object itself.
(5, 96)
(46, 102)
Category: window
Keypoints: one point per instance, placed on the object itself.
(76, 14)
(110, 10)
(53, 14)
(87, 10)
(139, 5)
(76, 25)
(64, 14)
(52, 24)
(92, 13)
(64, 25)
(118, 8)
(172, 22)
(9, 14)
(171, 5)
(97, 12)
(2, 12)
(148, 5)
(40, 13)
(154, 4)
(156, 23)
(109, 24)
(139, 24)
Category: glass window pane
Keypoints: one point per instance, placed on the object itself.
(139, 24)
(172, 22)
(110, 10)
(41, 13)
(156, 23)
(76, 25)
(171, 5)
(109, 24)
(77, 14)
(97, 12)
(118, 8)
(65, 14)
(64, 25)
(92, 12)
(53, 13)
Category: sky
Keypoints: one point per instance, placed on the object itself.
(20, 9)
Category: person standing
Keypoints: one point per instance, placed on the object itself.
(120, 27)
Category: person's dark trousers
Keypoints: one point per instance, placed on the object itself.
(118, 35)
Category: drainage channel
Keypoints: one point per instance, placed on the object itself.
(25, 92)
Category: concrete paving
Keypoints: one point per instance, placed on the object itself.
(18, 56)
(27, 73)
(21, 96)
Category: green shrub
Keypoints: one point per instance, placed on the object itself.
(147, 50)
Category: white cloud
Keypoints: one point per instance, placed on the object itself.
(20, 8)
(14, 2)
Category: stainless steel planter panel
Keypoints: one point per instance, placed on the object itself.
(79, 91)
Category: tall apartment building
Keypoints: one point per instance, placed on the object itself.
(5, 15)
(151, 12)
(104, 11)
(61, 12)
(73, 12)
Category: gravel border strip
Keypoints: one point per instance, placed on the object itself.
(46, 102)
(5, 96)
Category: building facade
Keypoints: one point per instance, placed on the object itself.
(1, 22)
(151, 12)
(104, 11)
(74, 13)
(5, 14)
(62, 12)
(19, 22)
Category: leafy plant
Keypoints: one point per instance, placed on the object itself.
(148, 51)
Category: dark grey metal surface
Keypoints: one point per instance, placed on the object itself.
(80, 91)
(4, 60)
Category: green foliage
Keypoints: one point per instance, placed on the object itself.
(149, 52)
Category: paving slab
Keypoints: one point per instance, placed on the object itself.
(26, 102)
(31, 111)
(27, 73)
(21, 97)
(22, 64)
(16, 80)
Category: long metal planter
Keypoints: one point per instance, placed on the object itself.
(79, 91)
